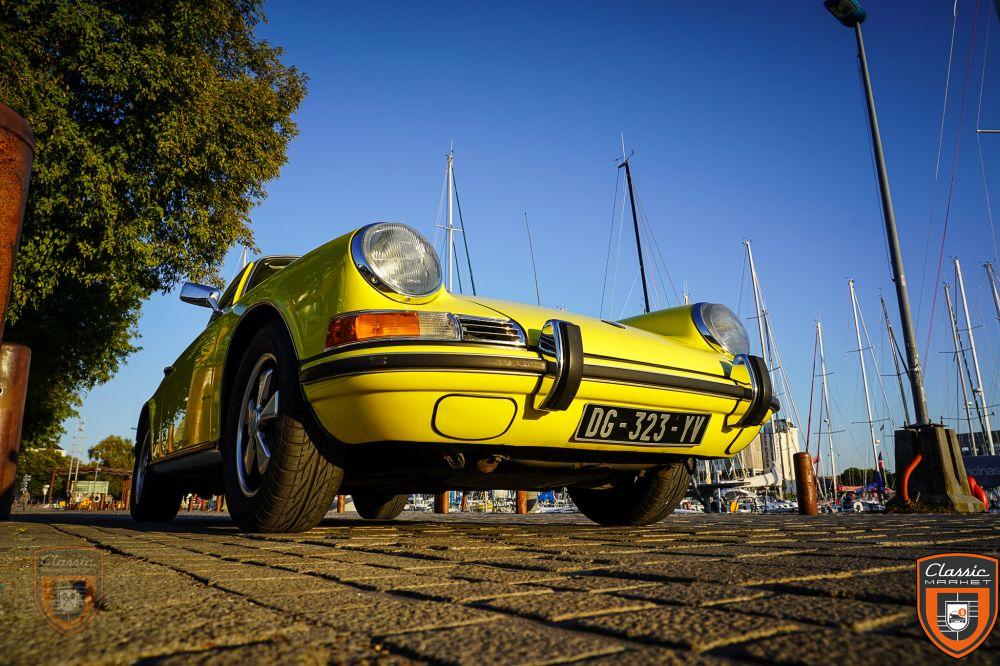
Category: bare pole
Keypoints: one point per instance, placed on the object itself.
(959, 358)
(978, 388)
(826, 401)
(895, 361)
(531, 251)
(864, 380)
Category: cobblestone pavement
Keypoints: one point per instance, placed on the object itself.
(498, 588)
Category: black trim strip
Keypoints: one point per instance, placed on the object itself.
(507, 364)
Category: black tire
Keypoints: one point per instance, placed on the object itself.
(379, 506)
(634, 499)
(294, 486)
(154, 499)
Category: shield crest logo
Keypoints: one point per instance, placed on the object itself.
(68, 586)
(957, 600)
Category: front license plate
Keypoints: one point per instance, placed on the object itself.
(602, 423)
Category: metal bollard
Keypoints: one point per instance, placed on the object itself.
(805, 484)
(15, 360)
(441, 503)
(341, 504)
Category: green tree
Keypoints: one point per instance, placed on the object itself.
(113, 451)
(157, 125)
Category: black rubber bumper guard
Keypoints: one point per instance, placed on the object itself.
(569, 364)
(763, 391)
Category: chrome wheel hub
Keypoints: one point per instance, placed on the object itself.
(255, 438)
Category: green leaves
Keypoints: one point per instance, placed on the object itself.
(157, 127)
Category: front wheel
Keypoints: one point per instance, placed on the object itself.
(278, 478)
(379, 506)
(153, 499)
(634, 500)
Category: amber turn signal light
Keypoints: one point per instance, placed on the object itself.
(391, 324)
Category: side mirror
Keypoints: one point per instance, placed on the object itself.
(201, 295)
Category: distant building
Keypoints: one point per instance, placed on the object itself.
(982, 446)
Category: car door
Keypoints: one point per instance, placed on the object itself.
(184, 403)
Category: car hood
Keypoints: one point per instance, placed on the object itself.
(615, 341)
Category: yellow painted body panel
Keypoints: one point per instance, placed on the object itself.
(400, 405)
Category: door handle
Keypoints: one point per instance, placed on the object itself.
(168, 370)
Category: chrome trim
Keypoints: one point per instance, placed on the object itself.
(371, 276)
(702, 326)
(505, 327)
(569, 365)
(397, 338)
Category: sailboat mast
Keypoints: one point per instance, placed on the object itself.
(893, 349)
(864, 379)
(978, 388)
(450, 229)
(765, 353)
(531, 251)
(638, 242)
(993, 287)
(759, 304)
(959, 357)
(826, 401)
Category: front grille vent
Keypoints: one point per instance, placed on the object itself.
(491, 331)
(547, 344)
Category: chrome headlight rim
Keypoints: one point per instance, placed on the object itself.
(372, 276)
(711, 336)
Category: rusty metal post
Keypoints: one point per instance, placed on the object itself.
(52, 485)
(127, 491)
(805, 484)
(521, 499)
(17, 146)
(14, 362)
(341, 504)
(441, 503)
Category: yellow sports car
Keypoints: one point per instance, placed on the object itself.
(352, 370)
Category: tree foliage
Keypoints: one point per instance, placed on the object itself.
(157, 125)
(113, 451)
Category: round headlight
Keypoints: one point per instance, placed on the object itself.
(394, 257)
(721, 328)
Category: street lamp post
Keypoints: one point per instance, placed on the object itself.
(941, 480)
(851, 14)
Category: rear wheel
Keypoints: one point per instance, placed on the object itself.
(379, 506)
(277, 477)
(634, 499)
(154, 499)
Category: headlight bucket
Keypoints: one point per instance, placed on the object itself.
(396, 259)
(721, 328)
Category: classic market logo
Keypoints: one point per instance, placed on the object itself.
(68, 584)
(957, 600)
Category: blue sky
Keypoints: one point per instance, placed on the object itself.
(747, 121)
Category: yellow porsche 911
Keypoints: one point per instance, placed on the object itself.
(352, 370)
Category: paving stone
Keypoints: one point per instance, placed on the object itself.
(695, 629)
(895, 587)
(827, 646)
(849, 613)
(562, 606)
(507, 640)
(687, 594)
